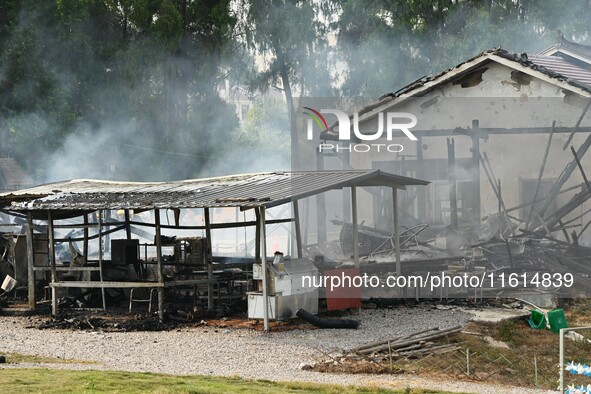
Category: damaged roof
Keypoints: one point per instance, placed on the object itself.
(564, 68)
(569, 48)
(538, 63)
(261, 189)
(555, 68)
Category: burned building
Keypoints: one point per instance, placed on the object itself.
(104, 242)
(494, 133)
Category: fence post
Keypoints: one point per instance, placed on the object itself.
(467, 361)
(561, 343)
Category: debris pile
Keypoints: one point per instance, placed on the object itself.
(376, 356)
(414, 345)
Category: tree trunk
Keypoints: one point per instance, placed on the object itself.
(290, 113)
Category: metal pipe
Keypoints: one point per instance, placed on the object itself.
(298, 231)
(52, 262)
(159, 266)
(323, 322)
(263, 253)
(100, 229)
(208, 256)
(396, 231)
(561, 346)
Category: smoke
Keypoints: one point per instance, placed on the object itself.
(79, 99)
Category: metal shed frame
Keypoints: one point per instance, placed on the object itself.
(258, 191)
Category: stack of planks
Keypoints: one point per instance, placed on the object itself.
(416, 344)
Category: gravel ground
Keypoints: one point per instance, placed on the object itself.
(239, 352)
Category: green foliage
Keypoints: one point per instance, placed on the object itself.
(110, 81)
(265, 124)
(387, 44)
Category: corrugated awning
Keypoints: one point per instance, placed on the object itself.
(244, 191)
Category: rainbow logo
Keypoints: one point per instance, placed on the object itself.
(317, 117)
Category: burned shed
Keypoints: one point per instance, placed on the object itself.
(84, 217)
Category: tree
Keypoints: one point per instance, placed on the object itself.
(100, 81)
(386, 44)
(292, 39)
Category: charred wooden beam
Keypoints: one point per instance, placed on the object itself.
(451, 165)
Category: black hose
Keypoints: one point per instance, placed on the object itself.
(323, 322)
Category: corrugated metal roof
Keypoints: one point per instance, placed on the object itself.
(261, 189)
(561, 66)
(569, 48)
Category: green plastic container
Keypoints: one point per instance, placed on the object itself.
(557, 320)
(537, 320)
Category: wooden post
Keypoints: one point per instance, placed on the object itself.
(209, 259)
(499, 188)
(107, 242)
(159, 266)
(51, 246)
(421, 192)
(31, 262)
(127, 224)
(320, 206)
(298, 231)
(396, 231)
(346, 205)
(85, 241)
(451, 168)
(476, 174)
(355, 229)
(100, 237)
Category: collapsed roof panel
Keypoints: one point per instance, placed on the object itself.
(245, 191)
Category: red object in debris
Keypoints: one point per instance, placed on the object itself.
(345, 295)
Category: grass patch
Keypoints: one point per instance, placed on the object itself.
(21, 381)
(15, 358)
(525, 358)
